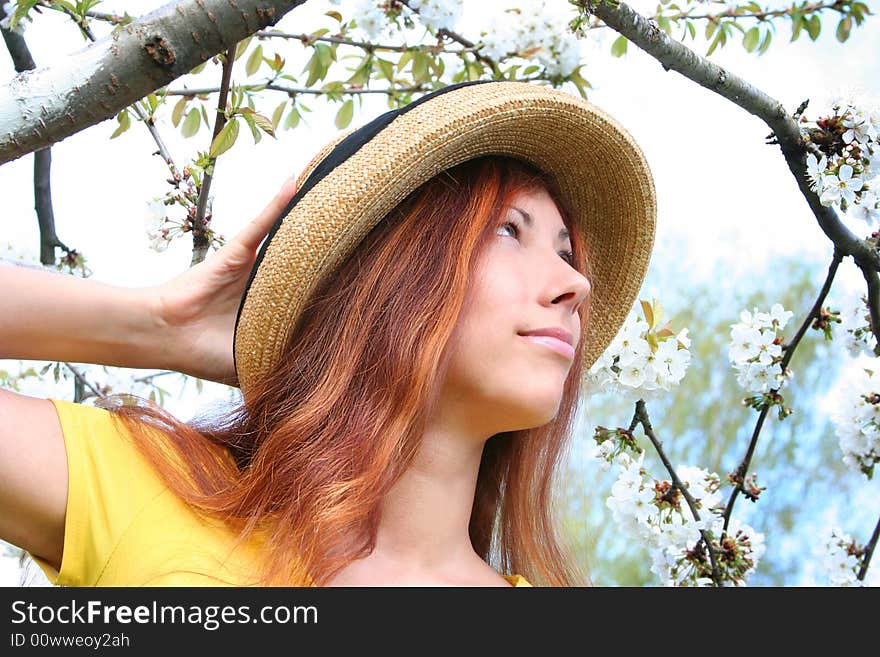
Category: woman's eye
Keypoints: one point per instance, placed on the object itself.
(512, 225)
(568, 256)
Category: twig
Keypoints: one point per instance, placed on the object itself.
(641, 416)
(199, 227)
(83, 381)
(467, 43)
(308, 39)
(789, 349)
(149, 377)
(869, 551)
(296, 90)
(23, 61)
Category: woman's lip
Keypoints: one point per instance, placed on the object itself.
(553, 343)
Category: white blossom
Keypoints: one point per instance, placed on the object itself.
(371, 19)
(816, 170)
(631, 367)
(857, 422)
(157, 226)
(842, 186)
(538, 29)
(839, 565)
(855, 325)
(438, 14)
(753, 351)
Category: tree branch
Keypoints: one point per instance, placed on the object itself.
(200, 224)
(43, 106)
(23, 61)
(296, 90)
(869, 552)
(469, 45)
(151, 126)
(739, 476)
(308, 39)
(83, 382)
(675, 56)
(641, 416)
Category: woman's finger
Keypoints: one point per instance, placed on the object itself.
(252, 234)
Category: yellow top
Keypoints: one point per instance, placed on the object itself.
(124, 527)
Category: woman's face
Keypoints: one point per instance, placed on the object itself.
(499, 380)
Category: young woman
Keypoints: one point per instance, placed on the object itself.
(410, 342)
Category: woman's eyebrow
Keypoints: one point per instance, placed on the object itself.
(563, 234)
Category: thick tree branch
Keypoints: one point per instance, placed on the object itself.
(786, 132)
(151, 126)
(675, 56)
(41, 107)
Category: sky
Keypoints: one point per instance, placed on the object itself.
(725, 198)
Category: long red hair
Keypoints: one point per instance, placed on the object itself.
(330, 430)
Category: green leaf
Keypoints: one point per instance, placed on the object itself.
(843, 28)
(420, 68)
(153, 102)
(618, 48)
(177, 112)
(387, 68)
(814, 26)
(710, 29)
(224, 141)
(124, 123)
(361, 74)
(198, 69)
(292, 119)
(191, 123)
(715, 42)
(254, 131)
(692, 30)
(325, 55)
(765, 43)
(343, 116)
(316, 69)
(276, 115)
(404, 60)
(797, 23)
(263, 123)
(254, 61)
(334, 14)
(241, 47)
(750, 40)
(533, 69)
(658, 311)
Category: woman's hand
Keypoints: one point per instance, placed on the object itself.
(196, 310)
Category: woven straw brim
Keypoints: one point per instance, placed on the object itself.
(599, 168)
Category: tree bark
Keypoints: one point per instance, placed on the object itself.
(45, 105)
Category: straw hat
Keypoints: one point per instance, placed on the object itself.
(359, 177)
